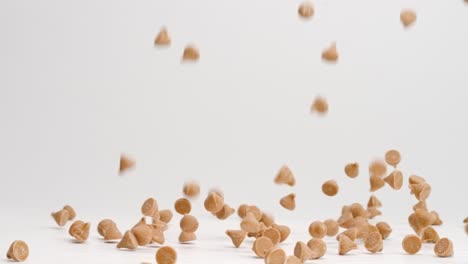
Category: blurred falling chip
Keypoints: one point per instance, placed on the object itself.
(319, 105)
(407, 17)
(191, 53)
(330, 54)
(126, 163)
(306, 10)
(162, 39)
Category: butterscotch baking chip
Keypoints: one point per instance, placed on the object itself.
(373, 242)
(407, 17)
(319, 105)
(384, 229)
(143, 234)
(191, 53)
(392, 157)
(352, 170)
(166, 255)
(395, 179)
(376, 182)
(165, 215)
(191, 189)
(302, 251)
(289, 201)
(79, 230)
(374, 202)
(318, 247)
(162, 39)
(237, 236)
(330, 54)
(332, 227)
(411, 244)
(262, 246)
(126, 163)
(275, 256)
(182, 206)
(214, 202)
(285, 176)
(306, 10)
(330, 188)
(444, 248)
(18, 251)
(346, 245)
(429, 235)
(128, 241)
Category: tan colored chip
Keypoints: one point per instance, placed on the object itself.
(162, 39)
(143, 234)
(419, 220)
(395, 179)
(415, 179)
(189, 223)
(302, 251)
(284, 231)
(377, 168)
(79, 230)
(319, 105)
(214, 202)
(317, 229)
(465, 220)
(420, 205)
(250, 224)
(182, 206)
(275, 256)
(18, 251)
(429, 235)
(191, 189)
(165, 215)
(351, 233)
(373, 212)
(61, 217)
(437, 220)
(421, 191)
(346, 245)
(191, 53)
(262, 246)
(411, 244)
(285, 176)
(346, 220)
(225, 212)
(166, 255)
(71, 212)
(407, 17)
(289, 201)
(376, 182)
(306, 10)
(185, 237)
(384, 229)
(255, 211)
(242, 210)
(273, 234)
(330, 188)
(149, 207)
(330, 54)
(374, 202)
(374, 242)
(237, 236)
(444, 248)
(358, 210)
(108, 230)
(392, 157)
(126, 163)
(128, 241)
(267, 220)
(157, 236)
(352, 170)
(318, 247)
(332, 227)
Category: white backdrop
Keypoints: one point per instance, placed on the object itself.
(81, 82)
